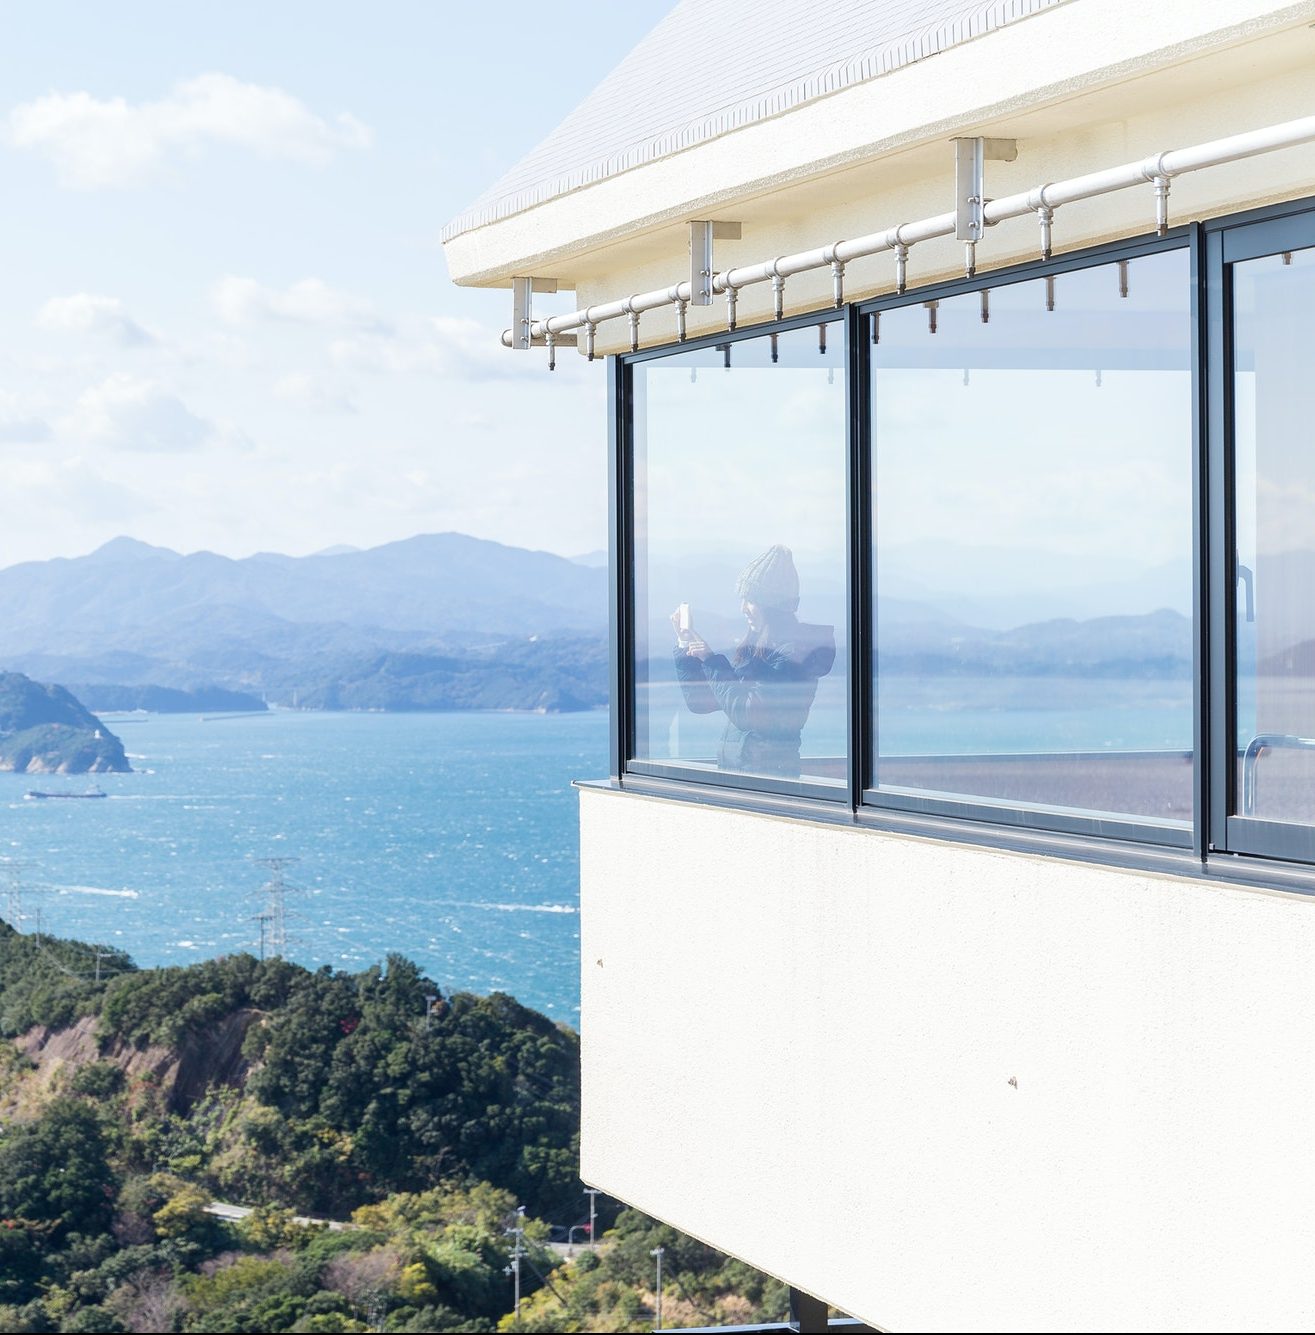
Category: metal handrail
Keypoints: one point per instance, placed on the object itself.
(1158, 170)
(1258, 745)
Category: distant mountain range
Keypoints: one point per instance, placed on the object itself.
(446, 621)
(999, 588)
(1155, 644)
(436, 621)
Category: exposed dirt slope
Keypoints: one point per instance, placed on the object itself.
(181, 1076)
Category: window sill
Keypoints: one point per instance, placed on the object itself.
(1115, 851)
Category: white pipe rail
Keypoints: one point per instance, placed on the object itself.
(1157, 170)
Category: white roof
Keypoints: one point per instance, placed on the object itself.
(715, 65)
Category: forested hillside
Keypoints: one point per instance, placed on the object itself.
(44, 730)
(131, 1099)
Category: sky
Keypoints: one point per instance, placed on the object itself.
(225, 318)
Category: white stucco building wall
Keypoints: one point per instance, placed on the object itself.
(950, 1088)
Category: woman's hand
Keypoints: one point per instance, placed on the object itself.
(680, 624)
(689, 640)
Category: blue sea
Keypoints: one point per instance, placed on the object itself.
(451, 838)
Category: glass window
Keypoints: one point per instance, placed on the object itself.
(1274, 494)
(1033, 543)
(740, 558)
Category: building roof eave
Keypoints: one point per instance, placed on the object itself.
(888, 37)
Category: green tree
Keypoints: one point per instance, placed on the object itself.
(56, 1170)
(183, 1209)
(47, 981)
(249, 1293)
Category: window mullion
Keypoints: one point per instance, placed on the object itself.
(858, 424)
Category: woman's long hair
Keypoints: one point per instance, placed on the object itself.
(760, 644)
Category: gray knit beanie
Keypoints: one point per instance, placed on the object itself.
(771, 580)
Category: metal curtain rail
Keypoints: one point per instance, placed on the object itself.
(1157, 170)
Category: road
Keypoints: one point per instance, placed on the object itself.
(234, 1213)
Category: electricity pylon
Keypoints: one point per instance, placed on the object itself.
(273, 915)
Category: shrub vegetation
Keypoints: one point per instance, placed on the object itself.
(381, 1144)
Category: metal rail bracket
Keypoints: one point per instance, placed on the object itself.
(970, 158)
(701, 236)
(522, 308)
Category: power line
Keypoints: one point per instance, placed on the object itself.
(93, 972)
(19, 908)
(274, 915)
(14, 869)
(556, 1293)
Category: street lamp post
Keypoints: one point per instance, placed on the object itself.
(657, 1315)
(517, 1251)
(592, 1193)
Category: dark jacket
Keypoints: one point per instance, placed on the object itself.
(765, 691)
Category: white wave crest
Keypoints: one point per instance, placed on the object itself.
(97, 890)
(527, 908)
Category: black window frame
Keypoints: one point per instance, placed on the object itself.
(1219, 845)
(621, 486)
(1112, 826)
(1228, 241)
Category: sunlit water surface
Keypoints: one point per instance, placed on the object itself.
(451, 838)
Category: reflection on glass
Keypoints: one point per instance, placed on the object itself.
(1032, 494)
(1274, 408)
(767, 686)
(740, 557)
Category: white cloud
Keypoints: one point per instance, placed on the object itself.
(311, 301)
(229, 350)
(315, 392)
(88, 313)
(19, 424)
(448, 346)
(46, 498)
(23, 430)
(96, 144)
(127, 413)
